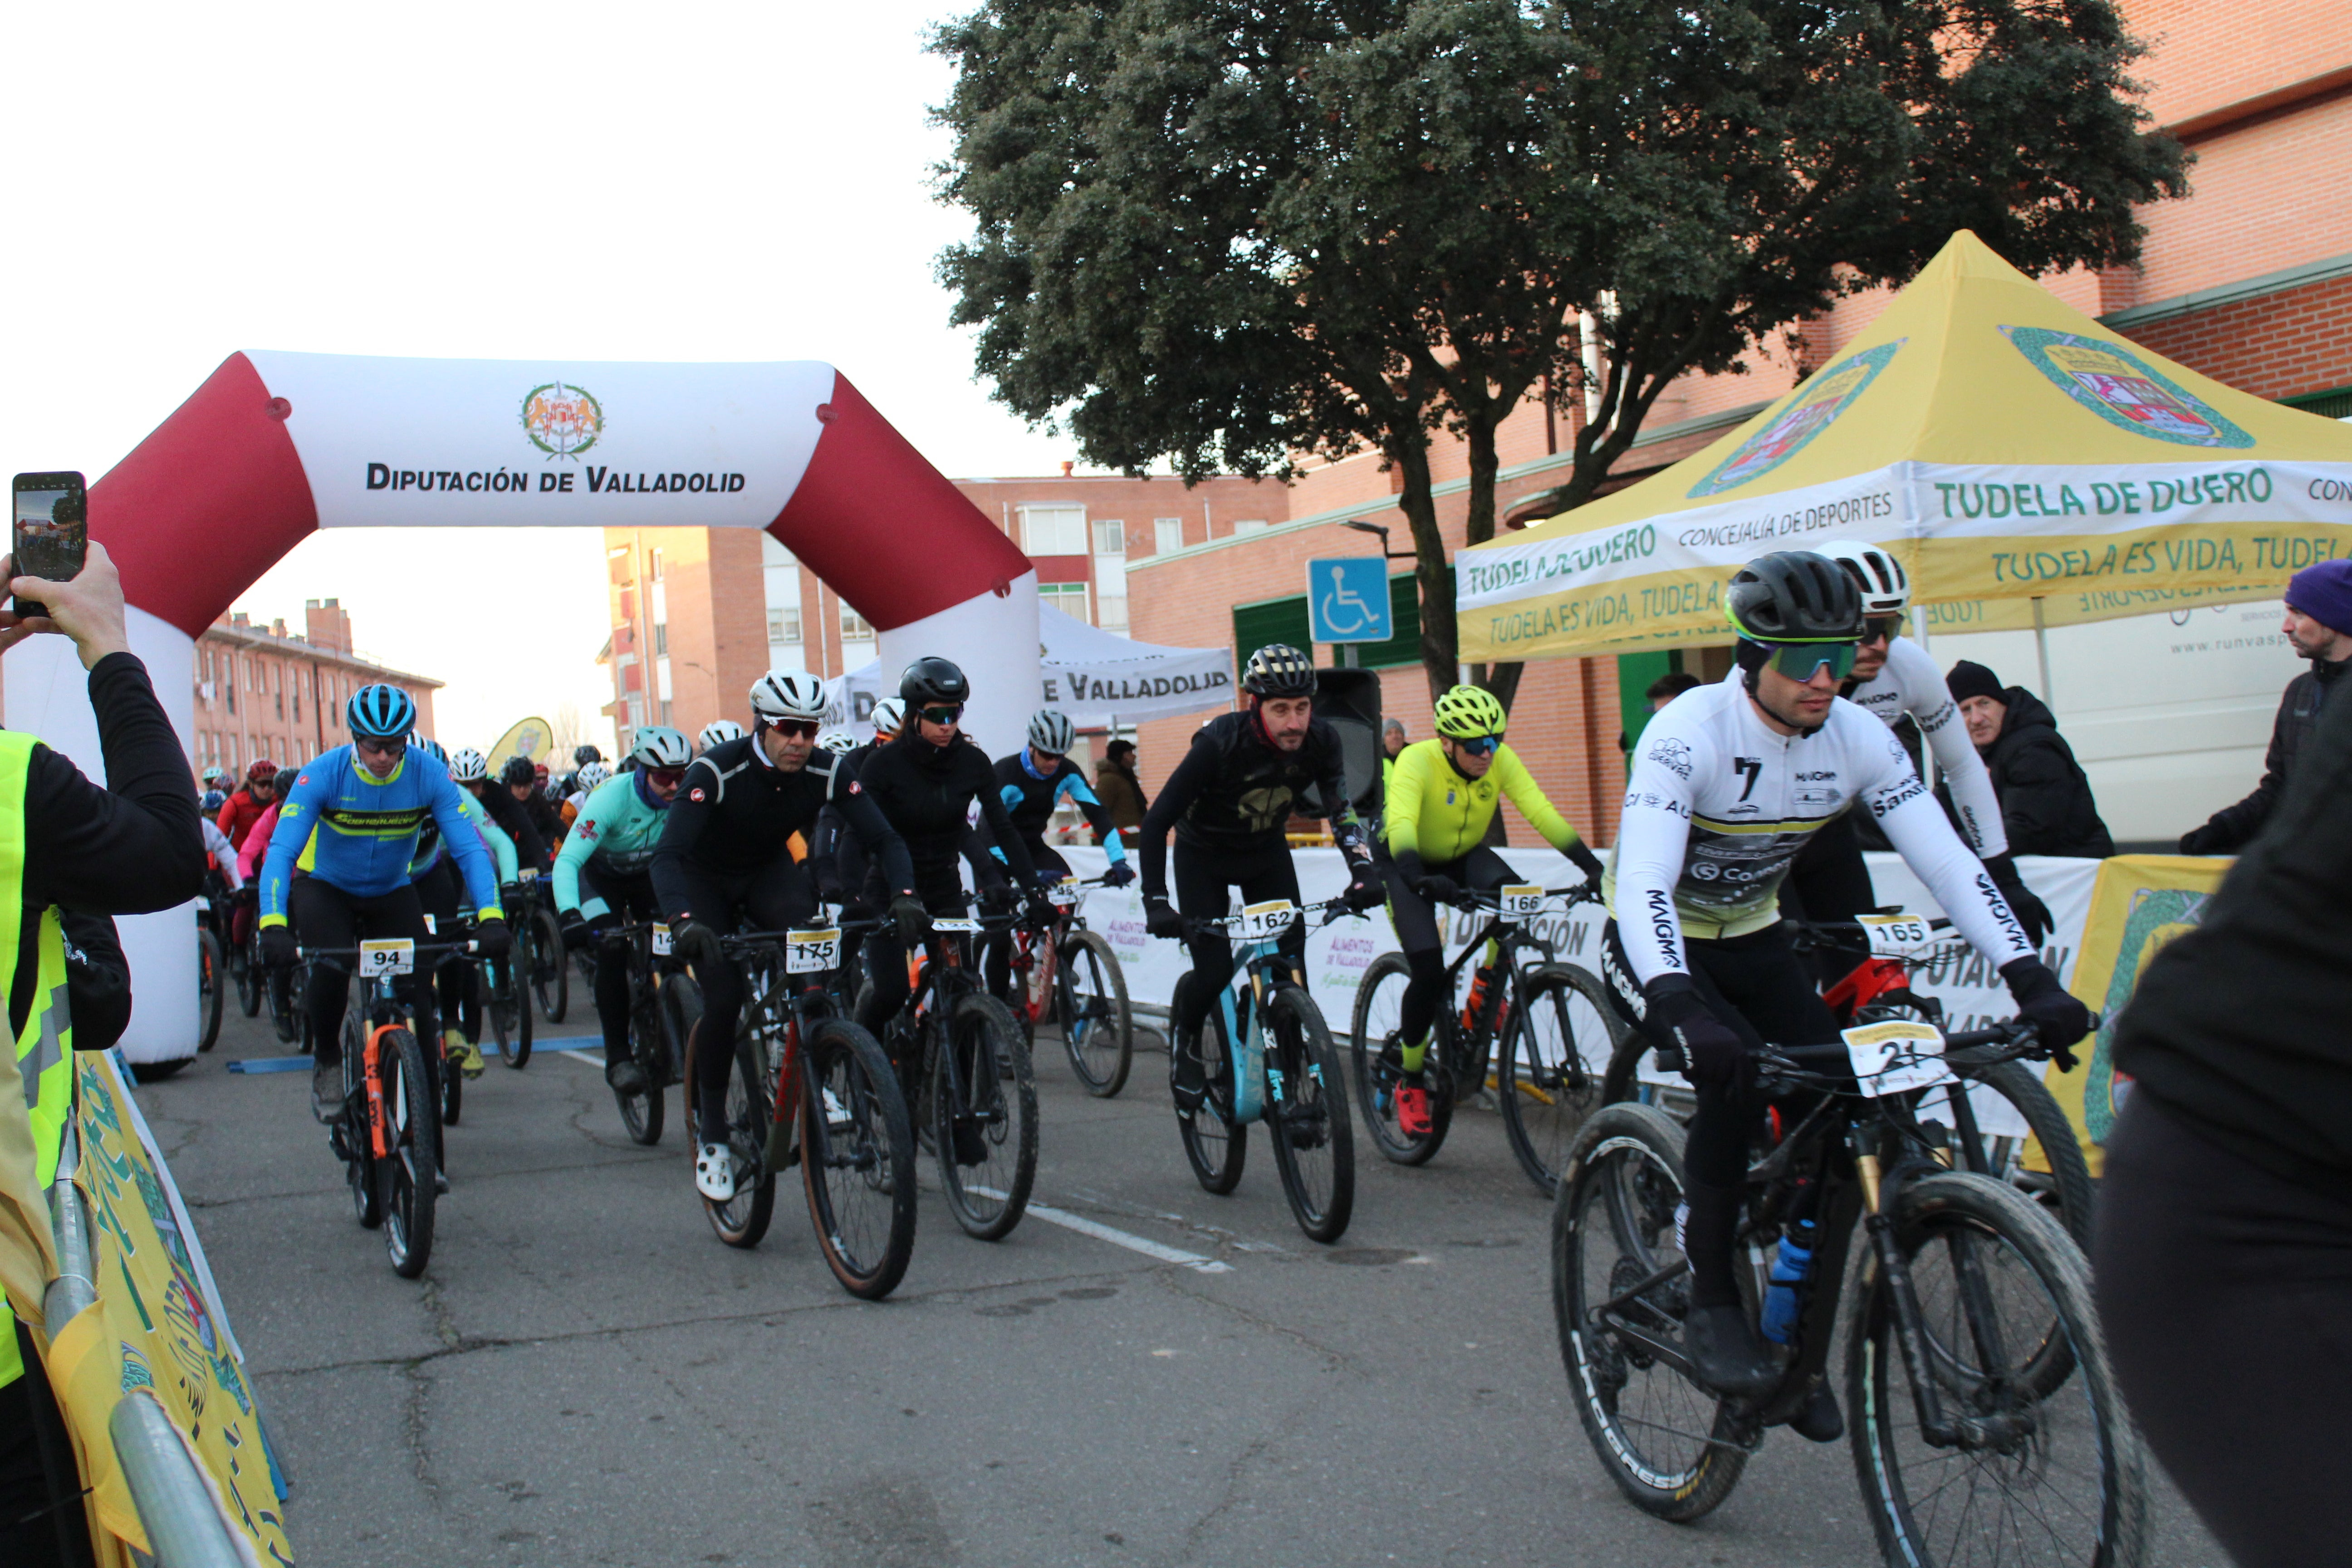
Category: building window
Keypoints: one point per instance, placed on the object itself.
(1111, 536)
(853, 626)
(1054, 530)
(654, 566)
(1167, 533)
(784, 623)
(1249, 525)
(665, 710)
(661, 637)
(1114, 612)
(1070, 598)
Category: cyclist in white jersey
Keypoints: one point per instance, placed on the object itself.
(1730, 782)
(1894, 677)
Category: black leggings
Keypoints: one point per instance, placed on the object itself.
(1417, 933)
(942, 891)
(626, 901)
(1202, 877)
(436, 892)
(777, 896)
(2226, 1292)
(323, 915)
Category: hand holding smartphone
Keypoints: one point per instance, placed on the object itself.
(51, 536)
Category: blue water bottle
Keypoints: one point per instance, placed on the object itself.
(1782, 1296)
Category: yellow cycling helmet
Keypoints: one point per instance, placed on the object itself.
(1467, 713)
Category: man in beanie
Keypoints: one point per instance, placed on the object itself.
(2319, 627)
(2045, 801)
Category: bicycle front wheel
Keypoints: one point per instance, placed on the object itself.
(2065, 1190)
(1559, 1023)
(550, 966)
(1307, 1117)
(1619, 1293)
(2040, 1469)
(250, 979)
(212, 988)
(1216, 1146)
(1375, 1043)
(857, 1159)
(651, 1025)
(1097, 1028)
(986, 1120)
(405, 1187)
(744, 1219)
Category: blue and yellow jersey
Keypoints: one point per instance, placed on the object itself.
(359, 833)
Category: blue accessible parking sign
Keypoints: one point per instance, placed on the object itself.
(1347, 600)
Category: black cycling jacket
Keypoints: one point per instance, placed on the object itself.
(514, 819)
(736, 812)
(926, 792)
(2234, 827)
(1234, 793)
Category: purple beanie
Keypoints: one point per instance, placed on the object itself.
(2324, 594)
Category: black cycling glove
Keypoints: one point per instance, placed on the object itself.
(1365, 889)
(276, 946)
(1436, 889)
(2031, 911)
(1119, 874)
(1714, 1054)
(698, 944)
(492, 939)
(575, 930)
(1161, 918)
(2053, 1010)
(913, 920)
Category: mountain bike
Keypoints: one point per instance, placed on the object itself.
(1549, 1018)
(538, 951)
(809, 1087)
(1985, 1424)
(1990, 1108)
(1065, 971)
(663, 1001)
(971, 1091)
(1265, 1055)
(502, 985)
(389, 1133)
(212, 967)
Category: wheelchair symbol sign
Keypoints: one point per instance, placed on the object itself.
(1347, 600)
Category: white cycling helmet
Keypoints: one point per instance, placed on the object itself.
(1052, 732)
(591, 774)
(466, 765)
(659, 746)
(719, 731)
(889, 717)
(840, 743)
(1885, 587)
(787, 694)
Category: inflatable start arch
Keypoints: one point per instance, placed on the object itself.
(274, 446)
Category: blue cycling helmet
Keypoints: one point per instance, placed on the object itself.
(380, 713)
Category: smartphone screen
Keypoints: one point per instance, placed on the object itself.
(51, 536)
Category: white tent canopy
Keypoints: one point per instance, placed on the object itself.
(1092, 675)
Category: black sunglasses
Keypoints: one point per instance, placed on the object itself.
(789, 728)
(947, 715)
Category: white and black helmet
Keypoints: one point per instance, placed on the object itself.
(787, 694)
(659, 746)
(889, 716)
(719, 731)
(466, 765)
(1277, 669)
(1885, 587)
(1051, 730)
(589, 775)
(840, 743)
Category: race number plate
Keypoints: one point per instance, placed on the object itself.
(432, 927)
(956, 925)
(1519, 900)
(528, 874)
(661, 940)
(812, 952)
(1064, 893)
(387, 955)
(1266, 921)
(1894, 1059)
(1892, 936)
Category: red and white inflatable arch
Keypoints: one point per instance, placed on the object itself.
(276, 444)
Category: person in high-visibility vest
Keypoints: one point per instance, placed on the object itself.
(131, 847)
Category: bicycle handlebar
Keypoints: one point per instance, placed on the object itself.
(422, 949)
(1492, 898)
(1781, 1067)
(1335, 907)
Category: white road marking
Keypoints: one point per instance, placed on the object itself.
(1118, 1238)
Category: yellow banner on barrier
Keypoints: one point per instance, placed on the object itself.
(152, 1329)
(2140, 903)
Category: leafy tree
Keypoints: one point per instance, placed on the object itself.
(1233, 234)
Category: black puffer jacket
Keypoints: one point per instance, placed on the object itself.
(2045, 801)
(2234, 827)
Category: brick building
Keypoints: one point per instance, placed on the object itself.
(264, 692)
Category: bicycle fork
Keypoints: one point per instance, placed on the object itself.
(784, 1117)
(379, 1130)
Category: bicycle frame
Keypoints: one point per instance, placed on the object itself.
(1242, 1001)
(793, 1004)
(1511, 938)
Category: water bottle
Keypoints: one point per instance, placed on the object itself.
(1784, 1294)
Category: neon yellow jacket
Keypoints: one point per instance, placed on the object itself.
(1433, 811)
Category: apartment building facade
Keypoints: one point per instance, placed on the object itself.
(264, 692)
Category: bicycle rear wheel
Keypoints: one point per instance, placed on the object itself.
(405, 1187)
(1098, 1027)
(744, 1219)
(2065, 1190)
(2059, 1466)
(857, 1159)
(250, 983)
(1661, 1439)
(550, 966)
(1216, 1145)
(986, 1120)
(1307, 1117)
(212, 988)
(650, 1027)
(1553, 1043)
(1374, 1045)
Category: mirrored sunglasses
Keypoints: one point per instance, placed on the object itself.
(805, 728)
(1480, 745)
(947, 715)
(668, 778)
(1881, 629)
(1798, 660)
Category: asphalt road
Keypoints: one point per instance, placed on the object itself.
(587, 1375)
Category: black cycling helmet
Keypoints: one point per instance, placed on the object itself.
(582, 756)
(1794, 596)
(1279, 670)
(933, 682)
(520, 771)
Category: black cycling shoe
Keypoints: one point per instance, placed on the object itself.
(971, 1142)
(624, 1075)
(1819, 1421)
(1725, 1353)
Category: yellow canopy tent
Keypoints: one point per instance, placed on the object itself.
(2029, 466)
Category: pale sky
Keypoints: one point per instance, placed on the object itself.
(694, 182)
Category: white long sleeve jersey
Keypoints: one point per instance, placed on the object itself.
(1910, 683)
(1719, 803)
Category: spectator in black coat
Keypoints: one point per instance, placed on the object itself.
(2320, 627)
(2045, 801)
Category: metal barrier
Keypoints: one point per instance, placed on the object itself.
(183, 1523)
